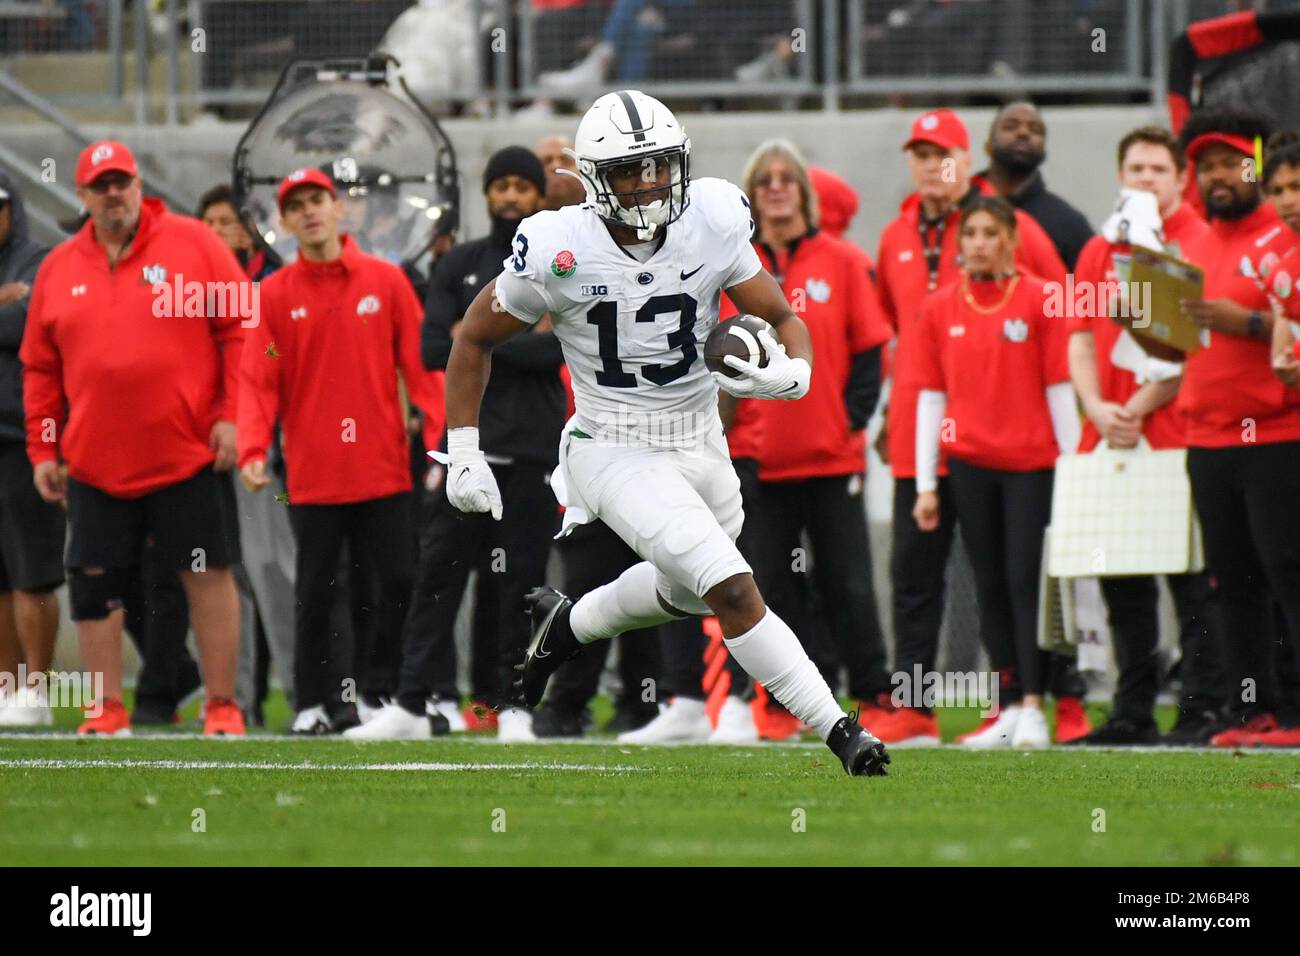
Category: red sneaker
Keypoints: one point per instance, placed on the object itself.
(113, 721)
(984, 724)
(872, 712)
(906, 726)
(1071, 722)
(1282, 737)
(1239, 736)
(223, 718)
(479, 718)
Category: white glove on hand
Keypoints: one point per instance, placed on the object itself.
(783, 377)
(471, 486)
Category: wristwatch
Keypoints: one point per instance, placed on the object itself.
(1255, 324)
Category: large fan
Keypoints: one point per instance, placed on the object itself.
(392, 163)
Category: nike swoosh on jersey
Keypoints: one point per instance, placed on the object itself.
(687, 275)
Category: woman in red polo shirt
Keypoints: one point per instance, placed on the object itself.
(995, 391)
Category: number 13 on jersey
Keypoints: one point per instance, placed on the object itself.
(604, 315)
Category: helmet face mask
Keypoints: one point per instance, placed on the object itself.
(633, 159)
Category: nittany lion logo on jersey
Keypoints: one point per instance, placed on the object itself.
(368, 305)
(154, 274)
(1015, 330)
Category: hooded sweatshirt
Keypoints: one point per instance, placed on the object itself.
(20, 256)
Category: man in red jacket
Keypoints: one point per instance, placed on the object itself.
(1133, 400)
(918, 254)
(337, 326)
(1243, 425)
(129, 391)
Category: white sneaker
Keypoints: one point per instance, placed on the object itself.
(313, 721)
(1031, 730)
(586, 75)
(27, 707)
(997, 735)
(735, 724)
(450, 710)
(515, 726)
(683, 721)
(366, 713)
(392, 723)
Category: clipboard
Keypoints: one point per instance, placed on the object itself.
(1165, 281)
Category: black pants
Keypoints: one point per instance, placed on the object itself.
(1135, 632)
(1002, 515)
(593, 555)
(1248, 500)
(918, 570)
(158, 620)
(377, 534)
(832, 513)
(513, 551)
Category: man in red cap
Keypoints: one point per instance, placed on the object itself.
(130, 412)
(918, 254)
(337, 327)
(1243, 427)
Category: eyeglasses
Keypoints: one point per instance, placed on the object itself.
(104, 183)
(768, 181)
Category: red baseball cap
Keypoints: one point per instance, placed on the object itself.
(105, 156)
(1240, 143)
(310, 176)
(944, 128)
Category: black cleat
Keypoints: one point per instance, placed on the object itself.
(553, 643)
(1118, 732)
(1194, 728)
(862, 754)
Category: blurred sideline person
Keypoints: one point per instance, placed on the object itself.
(265, 576)
(522, 414)
(918, 254)
(1281, 181)
(337, 327)
(1017, 148)
(1128, 403)
(987, 334)
(1243, 425)
(141, 411)
(644, 451)
(31, 530)
(561, 189)
(812, 459)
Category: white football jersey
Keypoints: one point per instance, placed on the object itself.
(633, 332)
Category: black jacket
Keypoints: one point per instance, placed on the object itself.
(523, 407)
(20, 257)
(1067, 227)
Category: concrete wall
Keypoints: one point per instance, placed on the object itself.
(863, 147)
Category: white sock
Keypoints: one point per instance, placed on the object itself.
(627, 603)
(773, 656)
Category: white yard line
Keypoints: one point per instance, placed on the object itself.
(48, 763)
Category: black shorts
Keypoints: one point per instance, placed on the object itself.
(192, 524)
(32, 531)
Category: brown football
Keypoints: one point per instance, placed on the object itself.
(736, 336)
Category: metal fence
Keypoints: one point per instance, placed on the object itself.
(172, 58)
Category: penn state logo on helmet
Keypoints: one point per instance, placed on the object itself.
(633, 159)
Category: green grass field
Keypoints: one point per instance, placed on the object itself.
(472, 801)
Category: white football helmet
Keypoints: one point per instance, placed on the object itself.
(630, 128)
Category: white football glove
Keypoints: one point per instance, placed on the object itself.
(471, 486)
(783, 377)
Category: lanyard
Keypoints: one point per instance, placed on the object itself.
(933, 252)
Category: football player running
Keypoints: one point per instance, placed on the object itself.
(631, 281)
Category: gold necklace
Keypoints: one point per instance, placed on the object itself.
(988, 310)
